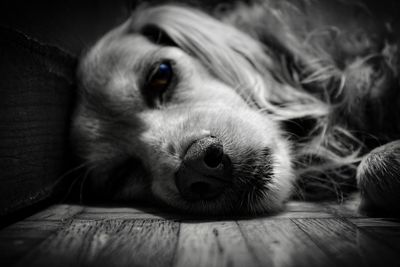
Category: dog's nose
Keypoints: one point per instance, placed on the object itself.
(205, 170)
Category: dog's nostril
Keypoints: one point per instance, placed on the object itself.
(205, 171)
(200, 188)
(213, 155)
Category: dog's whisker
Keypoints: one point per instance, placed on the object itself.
(85, 177)
(69, 173)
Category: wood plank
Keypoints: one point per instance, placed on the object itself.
(60, 212)
(302, 214)
(108, 243)
(281, 243)
(67, 248)
(384, 229)
(141, 243)
(121, 213)
(306, 235)
(345, 243)
(376, 222)
(18, 239)
(208, 244)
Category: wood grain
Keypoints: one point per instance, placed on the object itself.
(122, 213)
(18, 239)
(141, 243)
(61, 212)
(384, 229)
(307, 234)
(282, 243)
(108, 243)
(346, 244)
(211, 244)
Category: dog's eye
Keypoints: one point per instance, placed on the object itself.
(159, 79)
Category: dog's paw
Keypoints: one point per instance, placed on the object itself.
(378, 178)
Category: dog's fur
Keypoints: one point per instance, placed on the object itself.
(295, 98)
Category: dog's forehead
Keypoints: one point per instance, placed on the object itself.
(112, 70)
(115, 53)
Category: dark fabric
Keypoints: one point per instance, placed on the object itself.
(36, 96)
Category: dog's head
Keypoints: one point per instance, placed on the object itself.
(167, 112)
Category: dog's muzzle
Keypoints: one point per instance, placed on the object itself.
(205, 170)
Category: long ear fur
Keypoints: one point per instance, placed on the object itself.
(342, 52)
(345, 56)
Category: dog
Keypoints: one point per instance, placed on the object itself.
(236, 110)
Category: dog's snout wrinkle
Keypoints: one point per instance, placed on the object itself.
(205, 170)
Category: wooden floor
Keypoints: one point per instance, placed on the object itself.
(307, 234)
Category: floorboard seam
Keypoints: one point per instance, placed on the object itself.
(174, 257)
(249, 248)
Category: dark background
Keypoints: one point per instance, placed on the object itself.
(73, 25)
